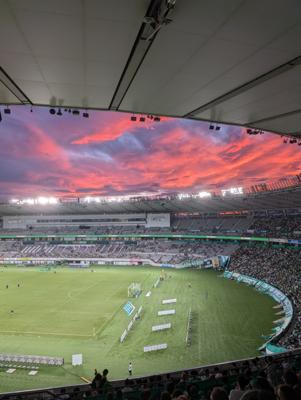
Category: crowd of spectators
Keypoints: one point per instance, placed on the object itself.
(159, 251)
(256, 379)
(265, 378)
(281, 267)
(277, 227)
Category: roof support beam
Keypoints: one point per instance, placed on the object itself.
(279, 116)
(246, 86)
(156, 17)
(13, 87)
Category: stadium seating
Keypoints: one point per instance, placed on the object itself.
(272, 226)
(266, 375)
(159, 251)
(280, 267)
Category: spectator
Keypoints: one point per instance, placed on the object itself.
(218, 393)
(240, 389)
(286, 392)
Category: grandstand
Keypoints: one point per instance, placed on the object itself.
(151, 252)
(259, 243)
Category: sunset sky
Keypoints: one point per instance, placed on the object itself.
(108, 154)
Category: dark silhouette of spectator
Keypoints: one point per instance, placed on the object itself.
(258, 395)
(286, 392)
(97, 381)
(218, 393)
(165, 396)
(240, 389)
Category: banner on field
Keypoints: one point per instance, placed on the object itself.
(129, 308)
(272, 349)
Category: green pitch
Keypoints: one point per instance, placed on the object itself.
(78, 311)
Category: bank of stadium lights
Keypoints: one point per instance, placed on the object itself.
(145, 118)
(35, 201)
(201, 195)
(108, 199)
(214, 127)
(76, 112)
(5, 111)
(291, 140)
(254, 131)
(232, 191)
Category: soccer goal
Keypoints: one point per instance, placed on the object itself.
(134, 289)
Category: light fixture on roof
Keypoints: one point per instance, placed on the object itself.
(211, 127)
(59, 112)
(133, 118)
(52, 111)
(251, 131)
(142, 119)
(75, 112)
(85, 114)
(157, 119)
(217, 128)
(6, 110)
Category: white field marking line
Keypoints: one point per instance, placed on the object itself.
(102, 327)
(69, 294)
(46, 333)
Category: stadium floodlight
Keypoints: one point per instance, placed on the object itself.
(27, 201)
(91, 199)
(204, 194)
(182, 196)
(32, 201)
(14, 201)
(46, 200)
(234, 191)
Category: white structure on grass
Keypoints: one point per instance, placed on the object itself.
(161, 327)
(169, 301)
(155, 347)
(166, 312)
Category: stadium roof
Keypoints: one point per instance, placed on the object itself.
(281, 199)
(229, 61)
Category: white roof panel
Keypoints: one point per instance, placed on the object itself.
(215, 60)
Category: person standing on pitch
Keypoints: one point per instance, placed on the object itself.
(130, 368)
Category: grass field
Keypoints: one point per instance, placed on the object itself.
(79, 311)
